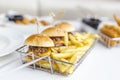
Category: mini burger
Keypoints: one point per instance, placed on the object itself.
(56, 34)
(39, 44)
(65, 26)
(68, 28)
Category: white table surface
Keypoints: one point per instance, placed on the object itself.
(101, 64)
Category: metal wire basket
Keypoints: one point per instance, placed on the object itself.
(109, 42)
(50, 65)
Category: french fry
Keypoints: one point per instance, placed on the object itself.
(53, 50)
(74, 41)
(94, 36)
(70, 69)
(66, 39)
(76, 49)
(90, 41)
(44, 64)
(62, 55)
(117, 19)
(63, 67)
(67, 67)
(73, 58)
(83, 35)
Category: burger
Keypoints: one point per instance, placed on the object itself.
(39, 44)
(65, 26)
(68, 28)
(56, 34)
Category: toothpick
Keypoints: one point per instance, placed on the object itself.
(53, 16)
(38, 25)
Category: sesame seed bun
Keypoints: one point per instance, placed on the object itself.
(39, 40)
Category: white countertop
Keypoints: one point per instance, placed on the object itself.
(101, 64)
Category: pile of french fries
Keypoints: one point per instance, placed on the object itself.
(76, 46)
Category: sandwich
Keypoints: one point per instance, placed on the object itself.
(39, 44)
(68, 28)
(56, 34)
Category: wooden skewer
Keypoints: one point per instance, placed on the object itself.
(38, 25)
(53, 16)
(117, 19)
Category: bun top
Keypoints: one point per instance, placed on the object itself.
(65, 26)
(53, 32)
(39, 40)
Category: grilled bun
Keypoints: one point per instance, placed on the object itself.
(65, 26)
(39, 40)
(53, 32)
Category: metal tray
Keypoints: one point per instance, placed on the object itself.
(50, 61)
(109, 42)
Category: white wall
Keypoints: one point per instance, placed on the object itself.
(73, 8)
(23, 6)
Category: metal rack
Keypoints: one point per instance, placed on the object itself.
(22, 51)
(109, 42)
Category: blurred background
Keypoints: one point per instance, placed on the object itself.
(73, 9)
